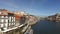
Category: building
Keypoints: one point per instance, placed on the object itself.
(7, 19)
(20, 18)
(3, 19)
(11, 19)
(14, 23)
(55, 18)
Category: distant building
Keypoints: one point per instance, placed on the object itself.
(55, 18)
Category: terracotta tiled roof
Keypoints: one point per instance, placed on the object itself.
(17, 17)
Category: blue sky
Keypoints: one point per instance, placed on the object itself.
(35, 7)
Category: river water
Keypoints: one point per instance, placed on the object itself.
(46, 27)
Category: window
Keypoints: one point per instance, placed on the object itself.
(6, 24)
(2, 20)
(6, 20)
(2, 16)
(2, 25)
(9, 19)
(14, 19)
(9, 24)
(6, 16)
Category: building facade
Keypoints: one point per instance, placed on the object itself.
(7, 19)
(55, 18)
(14, 23)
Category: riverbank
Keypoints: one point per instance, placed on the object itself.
(55, 18)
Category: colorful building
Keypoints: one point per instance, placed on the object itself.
(14, 23)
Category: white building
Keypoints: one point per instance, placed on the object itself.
(6, 19)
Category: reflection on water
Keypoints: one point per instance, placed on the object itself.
(46, 27)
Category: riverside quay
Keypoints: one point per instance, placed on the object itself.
(15, 22)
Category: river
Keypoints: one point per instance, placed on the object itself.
(46, 27)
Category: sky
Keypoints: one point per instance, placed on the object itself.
(34, 7)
